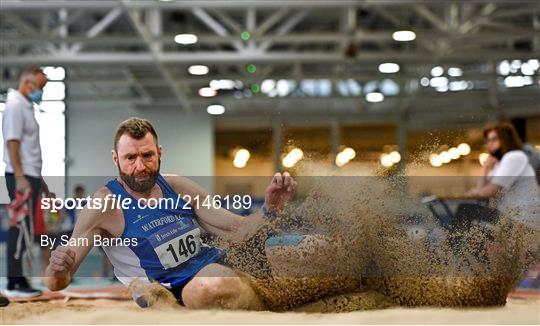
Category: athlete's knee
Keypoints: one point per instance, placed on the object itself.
(208, 292)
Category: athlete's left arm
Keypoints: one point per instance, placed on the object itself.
(224, 223)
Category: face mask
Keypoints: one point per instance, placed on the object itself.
(36, 96)
(498, 154)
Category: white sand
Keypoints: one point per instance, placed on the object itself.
(125, 312)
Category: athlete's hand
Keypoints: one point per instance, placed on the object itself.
(280, 192)
(62, 260)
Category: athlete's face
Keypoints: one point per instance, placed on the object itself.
(138, 161)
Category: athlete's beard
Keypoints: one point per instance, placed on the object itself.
(140, 186)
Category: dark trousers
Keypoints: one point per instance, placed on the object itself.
(15, 266)
(467, 213)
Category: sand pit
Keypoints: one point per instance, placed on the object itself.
(357, 241)
(103, 311)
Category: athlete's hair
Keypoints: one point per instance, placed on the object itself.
(508, 136)
(136, 128)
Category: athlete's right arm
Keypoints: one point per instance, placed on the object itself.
(65, 260)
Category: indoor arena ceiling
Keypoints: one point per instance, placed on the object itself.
(301, 59)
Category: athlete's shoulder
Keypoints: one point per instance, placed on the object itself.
(102, 192)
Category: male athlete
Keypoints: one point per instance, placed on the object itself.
(168, 248)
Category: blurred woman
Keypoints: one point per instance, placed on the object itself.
(508, 179)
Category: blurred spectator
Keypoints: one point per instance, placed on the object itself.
(508, 178)
(22, 155)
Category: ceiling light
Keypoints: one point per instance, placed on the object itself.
(435, 160)
(534, 63)
(295, 155)
(454, 153)
(482, 158)
(185, 39)
(464, 149)
(215, 109)
(374, 97)
(207, 92)
(345, 156)
(395, 157)
(438, 81)
(388, 68)
(386, 160)
(437, 71)
(504, 68)
(445, 157)
(404, 36)
(455, 72)
(527, 69)
(241, 157)
(198, 70)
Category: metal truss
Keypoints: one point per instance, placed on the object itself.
(133, 42)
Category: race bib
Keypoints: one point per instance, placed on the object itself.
(176, 244)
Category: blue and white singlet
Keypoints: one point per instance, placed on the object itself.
(169, 249)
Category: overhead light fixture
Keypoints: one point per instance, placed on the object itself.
(345, 156)
(534, 63)
(404, 36)
(527, 69)
(395, 156)
(198, 70)
(515, 65)
(460, 85)
(388, 68)
(186, 39)
(514, 81)
(215, 109)
(455, 72)
(437, 71)
(482, 158)
(295, 155)
(207, 92)
(438, 82)
(374, 97)
(225, 84)
(386, 160)
(241, 157)
(504, 68)
(445, 157)
(435, 160)
(454, 153)
(464, 149)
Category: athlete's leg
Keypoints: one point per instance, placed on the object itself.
(218, 286)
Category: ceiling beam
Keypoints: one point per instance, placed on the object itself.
(155, 57)
(214, 25)
(230, 4)
(98, 28)
(294, 38)
(112, 58)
